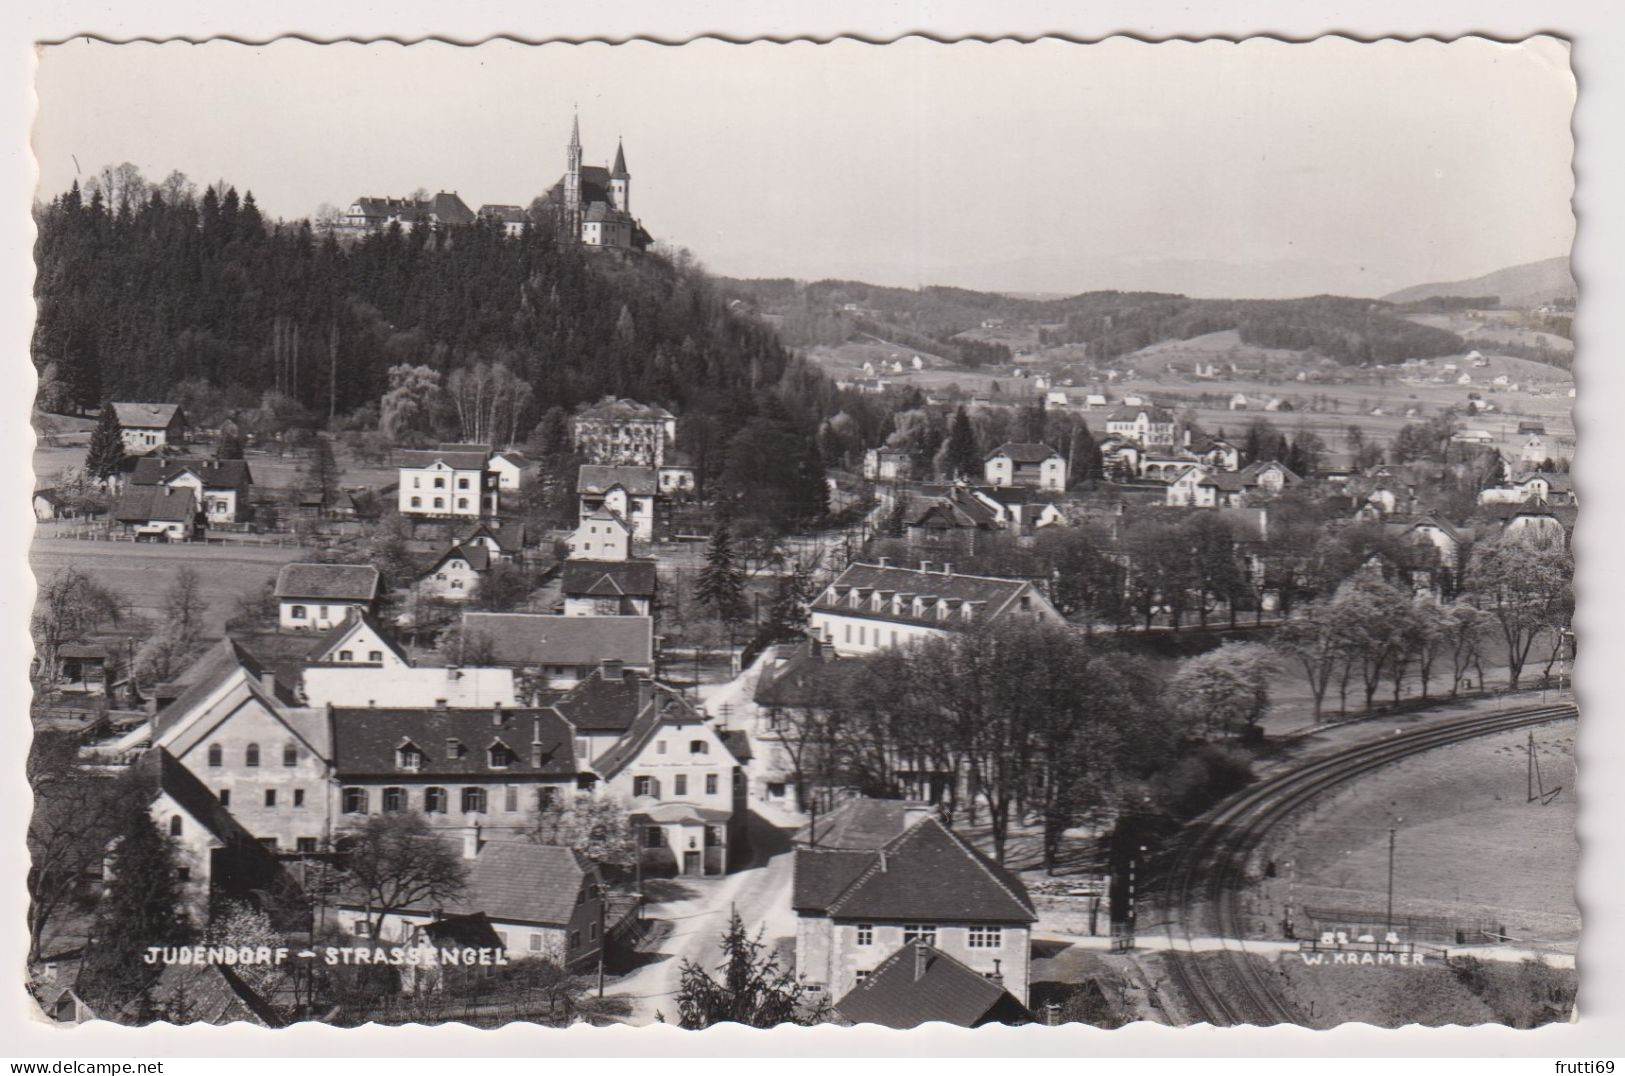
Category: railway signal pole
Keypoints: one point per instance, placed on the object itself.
(1391, 835)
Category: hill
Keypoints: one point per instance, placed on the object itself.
(1531, 284)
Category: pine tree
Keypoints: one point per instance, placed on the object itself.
(722, 582)
(1085, 463)
(321, 471)
(754, 989)
(106, 452)
(964, 456)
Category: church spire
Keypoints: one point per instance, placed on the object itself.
(620, 161)
(575, 132)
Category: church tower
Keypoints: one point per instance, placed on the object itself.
(572, 180)
(620, 182)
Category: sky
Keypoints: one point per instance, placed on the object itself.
(1253, 169)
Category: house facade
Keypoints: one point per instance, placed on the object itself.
(624, 433)
(561, 651)
(602, 536)
(1150, 426)
(609, 588)
(220, 487)
(450, 482)
(630, 492)
(319, 597)
(872, 607)
(1023, 464)
(146, 426)
(455, 576)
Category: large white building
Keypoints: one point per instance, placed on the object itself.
(452, 481)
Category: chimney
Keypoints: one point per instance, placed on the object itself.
(472, 842)
(646, 692)
(885, 562)
(536, 758)
(610, 669)
(998, 972)
(440, 706)
(882, 854)
(925, 566)
(921, 960)
(498, 718)
(947, 569)
(268, 681)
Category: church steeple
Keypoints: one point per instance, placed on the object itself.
(620, 160)
(620, 181)
(572, 180)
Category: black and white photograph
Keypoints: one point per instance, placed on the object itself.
(1023, 533)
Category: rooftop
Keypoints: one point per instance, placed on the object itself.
(145, 415)
(920, 984)
(599, 478)
(367, 741)
(548, 639)
(338, 582)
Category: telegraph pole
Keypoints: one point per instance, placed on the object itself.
(1391, 833)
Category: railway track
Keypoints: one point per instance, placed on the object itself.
(1209, 864)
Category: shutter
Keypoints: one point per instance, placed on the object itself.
(654, 787)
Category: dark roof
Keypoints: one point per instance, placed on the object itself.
(145, 415)
(994, 593)
(1125, 413)
(160, 504)
(328, 640)
(548, 639)
(366, 739)
(600, 703)
(928, 873)
(618, 408)
(920, 984)
(507, 214)
(604, 211)
(861, 824)
(594, 186)
(459, 459)
(339, 582)
(463, 931)
(1024, 452)
(215, 474)
(633, 578)
(515, 882)
(600, 477)
(797, 677)
(737, 741)
(450, 209)
(618, 170)
(667, 710)
(511, 537)
(477, 555)
(206, 994)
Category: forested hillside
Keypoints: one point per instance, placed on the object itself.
(165, 295)
(1109, 323)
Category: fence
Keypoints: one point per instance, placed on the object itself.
(1439, 929)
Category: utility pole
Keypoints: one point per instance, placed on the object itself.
(1391, 833)
(602, 939)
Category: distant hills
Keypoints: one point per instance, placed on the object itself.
(1530, 284)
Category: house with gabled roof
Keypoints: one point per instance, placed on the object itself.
(609, 588)
(872, 607)
(683, 783)
(317, 597)
(158, 513)
(220, 486)
(452, 481)
(1146, 424)
(603, 535)
(857, 907)
(627, 491)
(506, 540)
(562, 650)
(921, 984)
(455, 575)
(145, 426)
(358, 640)
(623, 432)
(1021, 463)
(456, 766)
(541, 901)
(513, 470)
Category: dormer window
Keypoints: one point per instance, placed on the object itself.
(454, 748)
(500, 757)
(408, 757)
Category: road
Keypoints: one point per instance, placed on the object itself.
(699, 916)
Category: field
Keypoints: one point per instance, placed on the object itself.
(142, 573)
(270, 471)
(1469, 844)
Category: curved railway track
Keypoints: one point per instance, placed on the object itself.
(1208, 865)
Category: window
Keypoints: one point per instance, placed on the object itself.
(592, 931)
(440, 502)
(225, 797)
(575, 939)
(536, 942)
(925, 932)
(417, 502)
(375, 656)
(439, 483)
(363, 929)
(462, 502)
(394, 799)
(270, 797)
(290, 754)
(175, 826)
(355, 801)
(251, 755)
(298, 797)
(547, 795)
(985, 937)
(510, 798)
(306, 845)
(408, 757)
(643, 786)
(698, 747)
(863, 977)
(473, 801)
(583, 746)
(457, 584)
(346, 655)
(183, 874)
(679, 785)
(866, 933)
(417, 483)
(462, 483)
(216, 756)
(660, 747)
(654, 837)
(268, 843)
(710, 784)
(324, 612)
(501, 757)
(434, 801)
(296, 613)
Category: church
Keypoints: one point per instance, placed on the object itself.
(594, 204)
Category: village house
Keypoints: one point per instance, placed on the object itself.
(1214, 453)
(453, 481)
(493, 765)
(954, 518)
(1020, 509)
(455, 575)
(858, 906)
(683, 785)
(340, 684)
(1533, 487)
(920, 984)
(542, 901)
(316, 597)
(678, 477)
(1023, 464)
(1152, 427)
(887, 465)
(871, 607)
(563, 650)
(628, 491)
(94, 669)
(358, 640)
(511, 218)
(146, 426)
(158, 513)
(221, 487)
(609, 588)
(504, 541)
(216, 857)
(623, 433)
(512, 470)
(369, 214)
(602, 536)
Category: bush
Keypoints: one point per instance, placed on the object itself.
(1202, 779)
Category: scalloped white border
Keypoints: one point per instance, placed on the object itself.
(1598, 58)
